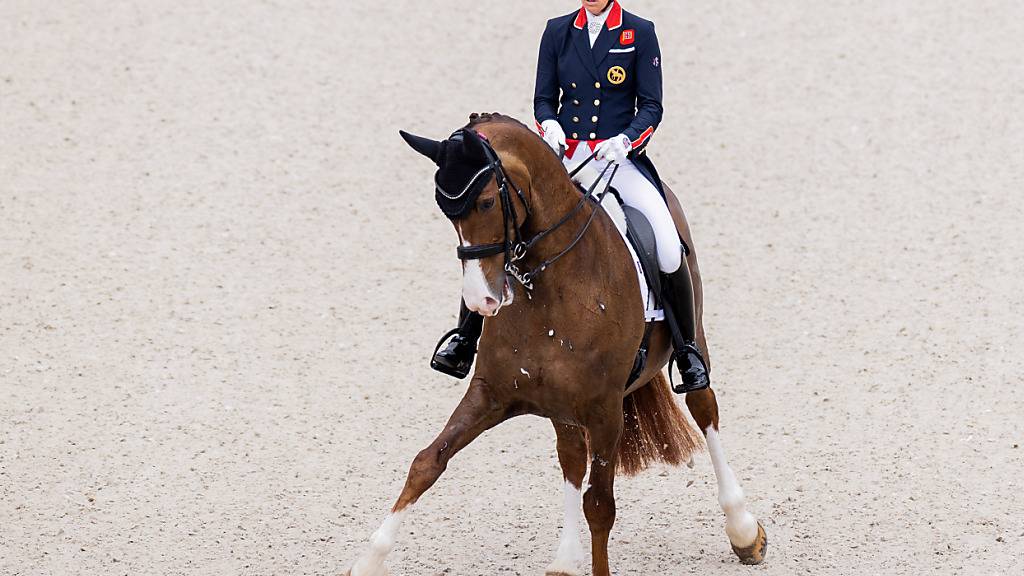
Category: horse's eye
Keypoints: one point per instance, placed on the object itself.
(486, 204)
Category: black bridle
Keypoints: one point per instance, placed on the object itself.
(514, 246)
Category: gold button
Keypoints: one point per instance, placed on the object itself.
(576, 102)
(593, 118)
(575, 119)
(597, 84)
(592, 135)
(573, 84)
(575, 136)
(597, 102)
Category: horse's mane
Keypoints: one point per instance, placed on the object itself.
(477, 118)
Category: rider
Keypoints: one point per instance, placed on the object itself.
(599, 81)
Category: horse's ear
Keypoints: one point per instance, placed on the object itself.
(429, 148)
(472, 145)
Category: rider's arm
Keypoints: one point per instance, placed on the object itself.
(648, 89)
(545, 96)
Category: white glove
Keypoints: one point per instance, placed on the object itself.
(615, 149)
(553, 134)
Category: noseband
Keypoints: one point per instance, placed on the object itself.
(514, 246)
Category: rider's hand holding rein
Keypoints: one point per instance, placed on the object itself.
(553, 134)
(615, 149)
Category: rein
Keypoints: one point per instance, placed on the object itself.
(515, 247)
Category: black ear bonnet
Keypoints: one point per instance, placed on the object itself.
(464, 169)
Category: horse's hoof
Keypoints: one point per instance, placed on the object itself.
(559, 574)
(754, 554)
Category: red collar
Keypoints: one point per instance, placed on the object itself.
(614, 21)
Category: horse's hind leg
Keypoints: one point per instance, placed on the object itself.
(746, 534)
(476, 413)
(572, 455)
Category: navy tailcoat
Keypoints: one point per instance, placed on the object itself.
(600, 92)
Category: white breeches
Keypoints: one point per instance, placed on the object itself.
(638, 192)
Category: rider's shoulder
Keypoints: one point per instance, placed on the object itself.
(631, 20)
(562, 21)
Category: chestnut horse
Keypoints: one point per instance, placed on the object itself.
(565, 350)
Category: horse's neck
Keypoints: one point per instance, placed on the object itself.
(594, 263)
(554, 196)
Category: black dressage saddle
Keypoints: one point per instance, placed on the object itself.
(640, 234)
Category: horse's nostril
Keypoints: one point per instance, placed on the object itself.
(490, 302)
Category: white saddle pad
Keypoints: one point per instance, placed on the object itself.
(652, 313)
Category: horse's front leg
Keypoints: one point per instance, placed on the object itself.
(747, 536)
(572, 455)
(605, 429)
(477, 412)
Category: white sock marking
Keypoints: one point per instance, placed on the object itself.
(570, 551)
(740, 525)
(381, 543)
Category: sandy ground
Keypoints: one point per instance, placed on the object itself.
(222, 272)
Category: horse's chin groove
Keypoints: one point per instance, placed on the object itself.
(508, 296)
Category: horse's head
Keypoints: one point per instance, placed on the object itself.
(469, 190)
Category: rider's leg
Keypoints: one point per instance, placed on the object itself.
(678, 289)
(637, 191)
(456, 350)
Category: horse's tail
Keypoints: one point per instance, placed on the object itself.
(656, 430)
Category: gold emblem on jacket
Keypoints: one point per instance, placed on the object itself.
(616, 75)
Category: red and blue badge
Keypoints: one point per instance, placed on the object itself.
(627, 37)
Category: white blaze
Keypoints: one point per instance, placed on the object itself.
(475, 289)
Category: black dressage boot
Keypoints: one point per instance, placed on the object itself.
(678, 302)
(456, 349)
